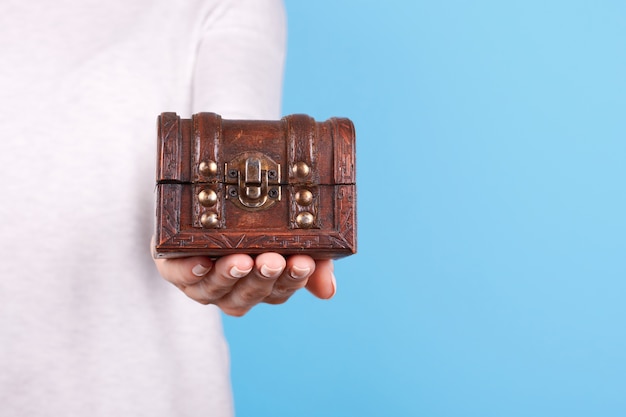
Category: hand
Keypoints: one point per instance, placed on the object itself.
(236, 283)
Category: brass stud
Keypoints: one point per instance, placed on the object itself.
(209, 220)
(208, 198)
(305, 220)
(301, 169)
(304, 197)
(207, 168)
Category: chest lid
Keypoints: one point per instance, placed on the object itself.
(293, 150)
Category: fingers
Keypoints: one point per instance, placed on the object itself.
(221, 279)
(184, 271)
(297, 272)
(203, 280)
(255, 286)
(236, 283)
(322, 283)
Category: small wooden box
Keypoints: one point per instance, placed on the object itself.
(246, 186)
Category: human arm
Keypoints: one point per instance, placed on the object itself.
(238, 74)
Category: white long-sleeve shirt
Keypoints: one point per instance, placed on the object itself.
(87, 326)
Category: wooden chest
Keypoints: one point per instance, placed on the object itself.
(244, 186)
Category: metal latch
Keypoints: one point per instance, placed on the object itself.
(253, 181)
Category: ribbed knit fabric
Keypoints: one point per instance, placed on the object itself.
(87, 326)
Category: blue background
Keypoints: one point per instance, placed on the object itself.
(490, 274)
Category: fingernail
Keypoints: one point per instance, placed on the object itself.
(299, 273)
(239, 273)
(268, 272)
(200, 270)
(334, 282)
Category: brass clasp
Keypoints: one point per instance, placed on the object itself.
(253, 181)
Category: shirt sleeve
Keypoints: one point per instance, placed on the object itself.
(240, 59)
